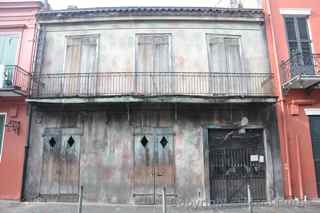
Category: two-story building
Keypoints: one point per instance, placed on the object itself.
(128, 100)
(293, 29)
(17, 45)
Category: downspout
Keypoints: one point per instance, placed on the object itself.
(26, 154)
(26, 148)
(283, 121)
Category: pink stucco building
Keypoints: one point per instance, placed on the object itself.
(17, 46)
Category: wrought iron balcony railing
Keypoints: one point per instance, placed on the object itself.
(151, 84)
(300, 66)
(14, 78)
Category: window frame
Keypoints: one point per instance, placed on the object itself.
(297, 32)
(170, 44)
(18, 35)
(224, 36)
(67, 37)
(3, 133)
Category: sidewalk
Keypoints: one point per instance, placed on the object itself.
(18, 207)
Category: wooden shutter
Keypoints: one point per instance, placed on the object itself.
(153, 68)
(234, 68)
(2, 124)
(80, 65)
(144, 64)
(163, 78)
(217, 63)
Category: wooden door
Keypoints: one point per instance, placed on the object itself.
(70, 166)
(315, 135)
(164, 167)
(49, 185)
(144, 160)
(153, 165)
(60, 165)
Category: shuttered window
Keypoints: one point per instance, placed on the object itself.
(224, 54)
(298, 35)
(8, 47)
(80, 65)
(81, 54)
(2, 125)
(153, 64)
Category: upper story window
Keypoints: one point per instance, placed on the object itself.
(224, 54)
(8, 53)
(153, 53)
(298, 35)
(81, 54)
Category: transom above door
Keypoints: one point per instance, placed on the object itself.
(153, 165)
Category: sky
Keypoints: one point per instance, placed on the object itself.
(61, 4)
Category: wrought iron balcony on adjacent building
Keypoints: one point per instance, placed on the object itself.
(301, 71)
(14, 81)
(110, 84)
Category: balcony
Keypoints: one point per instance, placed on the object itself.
(301, 71)
(144, 85)
(14, 81)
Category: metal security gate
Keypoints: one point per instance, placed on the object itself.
(236, 160)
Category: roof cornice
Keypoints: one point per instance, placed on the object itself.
(132, 13)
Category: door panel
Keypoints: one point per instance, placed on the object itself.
(70, 165)
(144, 169)
(50, 174)
(165, 171)
(315, 135)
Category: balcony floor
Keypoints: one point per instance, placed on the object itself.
(11, 92)
(302, 82)
(156, 99)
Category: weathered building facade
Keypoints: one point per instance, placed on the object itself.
(126, 101)
(17, 45)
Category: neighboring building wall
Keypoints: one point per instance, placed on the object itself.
(16, 18)
(295, 139)
(106, 135)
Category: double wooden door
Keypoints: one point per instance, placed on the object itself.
(60, 165)
(153, 165)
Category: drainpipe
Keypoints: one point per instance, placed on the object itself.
(281, 101)
(26, 153)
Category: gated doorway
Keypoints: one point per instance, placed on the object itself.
(153, 165)
(315, 136)
(236, 160)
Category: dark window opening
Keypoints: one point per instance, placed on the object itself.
(52, 142)
(164, 142)
(70, 141)
(144, 141)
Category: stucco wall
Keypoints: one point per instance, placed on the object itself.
(106, 161)
(189, 45)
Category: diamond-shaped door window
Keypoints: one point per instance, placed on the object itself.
(144, 141)
(164, 142)
(70, 141)
(52, 142)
